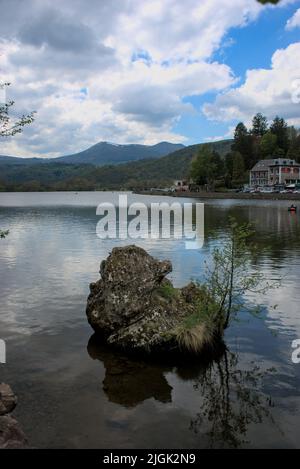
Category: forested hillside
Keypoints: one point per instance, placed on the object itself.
(141, 174)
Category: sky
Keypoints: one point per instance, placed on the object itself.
(132, 71)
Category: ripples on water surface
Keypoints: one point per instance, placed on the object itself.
(75, 393)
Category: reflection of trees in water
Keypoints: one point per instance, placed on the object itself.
(276, 230)
(230, 397)
(231, 401)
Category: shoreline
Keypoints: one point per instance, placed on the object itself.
(184, 194)
(222, 195)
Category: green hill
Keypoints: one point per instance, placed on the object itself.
(140, 174)
(101, 154)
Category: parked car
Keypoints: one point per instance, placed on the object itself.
(287, 191)
(267, 190)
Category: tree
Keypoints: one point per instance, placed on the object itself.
(259, 125)
(231, 276)
(240, 131)
(280, 129)
(294, 144)
(238, 170)
(207, 167)
(8, 125)
(235, 168)
(229, 169)
(243, 143)
(279, 153)
(267, 145)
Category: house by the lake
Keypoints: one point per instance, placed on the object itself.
(278, 171)
(181, 185)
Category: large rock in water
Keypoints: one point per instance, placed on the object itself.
(8, 399)
(133, 305)
(11, 434)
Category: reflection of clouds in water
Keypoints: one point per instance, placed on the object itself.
(282, 302)
(46, 265)
(53, 253)
(286, 314)
(51, 257)
(81, 199)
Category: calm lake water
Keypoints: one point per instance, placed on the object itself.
(75, 393)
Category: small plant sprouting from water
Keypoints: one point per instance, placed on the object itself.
(231, 276)
(223, 295)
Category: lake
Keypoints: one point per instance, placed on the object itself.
(76, 393)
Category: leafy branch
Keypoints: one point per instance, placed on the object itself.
(8, 126)
(231, 276)
(3, 234)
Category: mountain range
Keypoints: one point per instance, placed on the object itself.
(103, 153)
(132, 175)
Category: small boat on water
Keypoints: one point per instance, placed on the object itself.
(292, 208)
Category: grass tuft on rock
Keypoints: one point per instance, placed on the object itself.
(167, 291)
(198, 330)
(196, 338)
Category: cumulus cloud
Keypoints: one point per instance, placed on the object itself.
(270, 91)
(112, 70)
(294, 22)
(159, 98)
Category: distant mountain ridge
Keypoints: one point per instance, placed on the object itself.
(103, 153)
(134, 175)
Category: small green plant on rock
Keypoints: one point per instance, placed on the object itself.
(197, 330)
(194, 339)
(223, 295)
(232, 276)
(167, 291)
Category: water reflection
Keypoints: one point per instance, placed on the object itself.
(127, 381)
(232, 401)
(231, 398)
(276, 230)
(46, 265)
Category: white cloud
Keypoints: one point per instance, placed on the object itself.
(270, 91)
(294, 22)
(112, 70)
(228, 135)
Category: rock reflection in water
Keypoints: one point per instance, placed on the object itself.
(127, 381)
(231, 399)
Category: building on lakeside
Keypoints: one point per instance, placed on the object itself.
(278, 171)
(181, 185)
